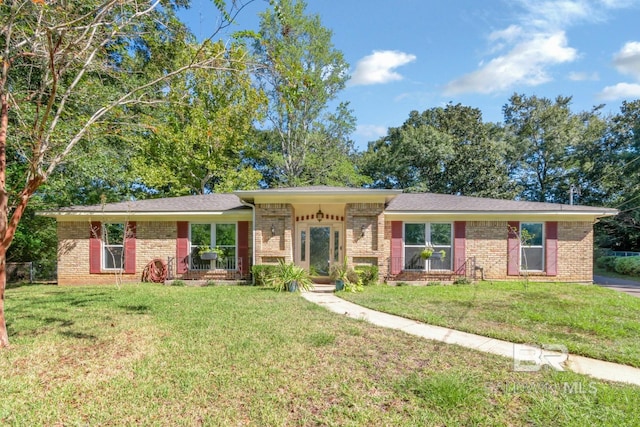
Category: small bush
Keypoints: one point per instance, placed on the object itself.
(262, 272)
(629, 266)
(178, 283)
(402, 284)
(352, 276)
(607, 263)
(462, 281)
(368, 274)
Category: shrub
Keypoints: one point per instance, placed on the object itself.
(607, 263)
(286, 273)
(368, 274)
(262, 272)
(629, 266)
(178, 283)
(462, 281)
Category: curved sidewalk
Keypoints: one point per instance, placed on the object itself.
(582, 365)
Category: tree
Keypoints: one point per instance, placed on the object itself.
(610, 171)
(446, 150)
(302, 76)
(73, 71)
(544, 137)
(193, 144)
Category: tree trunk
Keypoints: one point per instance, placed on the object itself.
(4, 211)
(4, 336)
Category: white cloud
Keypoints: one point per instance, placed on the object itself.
(620, 91)
(379, 67)
(371, 131)
(524, 51)
(581, 76)
(526, 63)
(627, 60)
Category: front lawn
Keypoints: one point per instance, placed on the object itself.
(587, 319)
(155, 355)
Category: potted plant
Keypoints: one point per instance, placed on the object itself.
(441, 254)
(426, 252)
(288, 276)
(206, 253)
(338, 274)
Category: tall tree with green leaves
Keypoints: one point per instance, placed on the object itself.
(544, 136)
(302, 76)
(74, 71)
(193, 144)
(445, 150)
(610, 175)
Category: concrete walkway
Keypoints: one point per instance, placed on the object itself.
(627, 286)
(582, 365)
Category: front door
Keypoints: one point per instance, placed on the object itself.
(319, 250)
(319, 246)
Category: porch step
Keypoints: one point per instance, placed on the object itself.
(324, 288)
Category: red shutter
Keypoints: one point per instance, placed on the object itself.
(551, 248)
(95, 248)
(513, 249)
(243, 246)
(396, 247)
(130, 248)
(459, 246)
(182, 247)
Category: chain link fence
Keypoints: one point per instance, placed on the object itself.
(34, 271)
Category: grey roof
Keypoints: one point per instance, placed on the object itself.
(317, 189)
(200, 203)
(430, 202)
(405, 202)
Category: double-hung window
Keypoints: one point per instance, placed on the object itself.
(220, 238)
(531, 246)
(436, 236)
(113, 246)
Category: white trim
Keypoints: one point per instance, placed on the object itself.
(212, 240)
(104, 246)
(427, 239)
(541, 246)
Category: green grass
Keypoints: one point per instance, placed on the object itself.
(155, 355)
(589, 320)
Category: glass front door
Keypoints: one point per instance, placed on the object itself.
(318, 247)
(319, 250)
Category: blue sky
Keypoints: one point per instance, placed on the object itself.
(409, 55)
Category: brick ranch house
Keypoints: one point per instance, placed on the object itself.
(317, 226)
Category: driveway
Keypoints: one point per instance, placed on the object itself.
(630, 287)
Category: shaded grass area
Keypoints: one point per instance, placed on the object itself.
(154, 355)
(587, 319)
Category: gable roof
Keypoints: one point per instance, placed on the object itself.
(317, 193)
(183, 204)
(398, 203)
(446, 203)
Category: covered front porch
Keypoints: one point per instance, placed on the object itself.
(317, 227)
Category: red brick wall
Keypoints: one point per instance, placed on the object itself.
(154, 239)
(487, 242)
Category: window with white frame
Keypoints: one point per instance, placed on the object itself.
(436, 236)
(531, 246)
(113, 246)
(218, 238)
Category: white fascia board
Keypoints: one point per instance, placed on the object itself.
(144, 216)
(503, 215)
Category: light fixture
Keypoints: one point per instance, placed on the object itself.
(273, 230)
(319, 214)
(362, 230)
